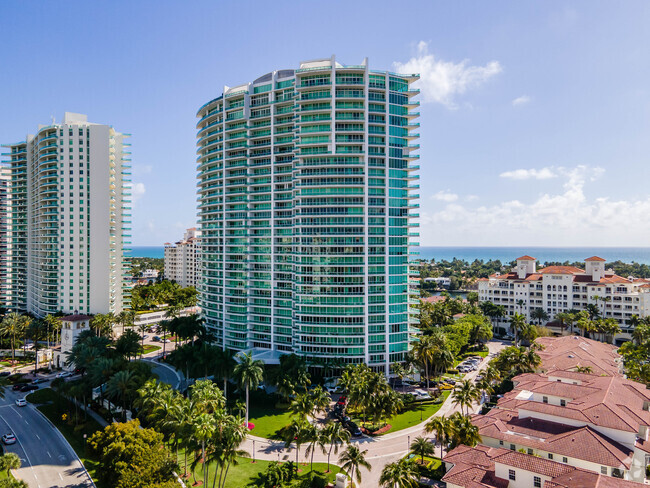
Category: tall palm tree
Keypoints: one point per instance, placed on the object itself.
(52, 323)
(203, 427)
(11, 326)
(294, 433)
(400, 474)
(465, 394)
(539, 314)
(517, 322)
(223, 367)
(302, 406)
(312, 436)
(352, 459)
(441, 426)
(249, 373)
(422, 447)
(423, 350)
(125, 318)
(121, 387)
(320, 399)
(335, 435)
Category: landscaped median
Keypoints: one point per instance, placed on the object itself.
(61, 412)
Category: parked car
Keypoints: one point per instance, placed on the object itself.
(156, 338)
(421, 395)
(64, 374)
(17, 386)
(353, 429)
(29, 388)
(38, 381)
(166, 341)
(9, 439)
(21, 402)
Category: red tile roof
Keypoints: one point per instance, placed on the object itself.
(526, 258)
(474, 467)
(578, 442)
(613, 402)
(595, 258)
(569, 352)
(76, 318)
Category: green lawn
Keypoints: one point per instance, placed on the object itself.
(411, 416)
(246, 471)
(53, 407)
(150, 348)
(268, 420)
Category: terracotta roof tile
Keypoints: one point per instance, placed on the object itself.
(595, 258)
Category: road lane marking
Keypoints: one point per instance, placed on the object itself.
(48, 453)
(37, 437)
(60, 476)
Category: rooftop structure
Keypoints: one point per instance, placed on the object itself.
(573, 352)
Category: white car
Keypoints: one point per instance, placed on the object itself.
(421, 394)
(9, 438)
(21, 402)
(64, 374)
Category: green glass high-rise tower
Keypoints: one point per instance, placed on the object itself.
(306, 202)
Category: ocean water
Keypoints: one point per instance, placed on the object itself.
(147, 252)
(640, 255)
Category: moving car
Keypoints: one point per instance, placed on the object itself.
(64, 374)
(17, 386)
(9, 439)
(38, 381)
(21, 402)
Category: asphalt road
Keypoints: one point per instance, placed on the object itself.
(48, 461)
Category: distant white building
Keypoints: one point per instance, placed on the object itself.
(182, 259)
(440, 281)
(557, 289)
(150, 274)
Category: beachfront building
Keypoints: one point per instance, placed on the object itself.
(5, 184)
(69, 219)
(556, 289)
(306, 193)
(182, 259)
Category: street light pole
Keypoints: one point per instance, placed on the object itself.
(253, 450)
(408, 438)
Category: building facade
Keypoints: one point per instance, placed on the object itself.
(69, 219)
(557, 289)
(182, 259)
(5, 184)
(306, 182)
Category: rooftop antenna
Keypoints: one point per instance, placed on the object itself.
(53, 121)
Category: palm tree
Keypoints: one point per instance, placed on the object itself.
(400, 474)
(335, 435)
(352, 459)
(8, 462)
(302, 406)
(463, 431)
(203, 427)
(320, 399)
(125, 318)
(223, 367)
(121, 387)
(422, 447)
(540, 315)
(249, 373)
(294, 433)
(465, 394)
(142, 328)
(312, 437)
(423, 352)
(442, 428)
(52, 323)
(13, 325)
(517, 322)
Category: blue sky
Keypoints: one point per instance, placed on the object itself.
(535, 115)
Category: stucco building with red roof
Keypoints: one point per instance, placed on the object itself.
(557, 289)
(489, 467)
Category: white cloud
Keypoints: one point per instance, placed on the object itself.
(137, 191)
(445, 196)
(440, 81)
(564, 218)
(527, 174)
(519, 101)
(142, 169)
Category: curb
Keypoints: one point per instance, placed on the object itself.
(92, 483)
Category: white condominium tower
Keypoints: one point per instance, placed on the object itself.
(182, 259)
(305, 200)
(69, 216)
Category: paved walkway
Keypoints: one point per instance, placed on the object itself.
(382, 450)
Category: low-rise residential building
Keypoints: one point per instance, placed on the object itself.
(182, 259)
(572, 353)
(556, 289)
(592, 422)
(489, 467)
